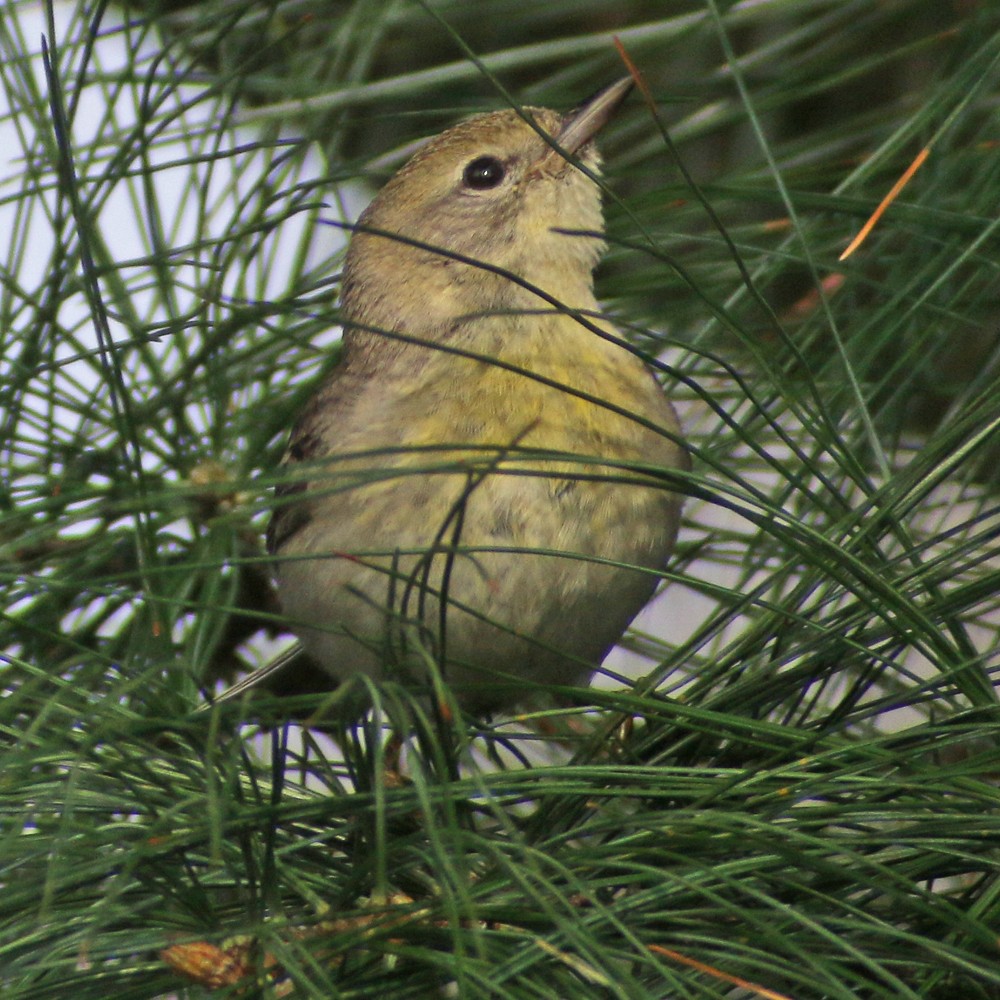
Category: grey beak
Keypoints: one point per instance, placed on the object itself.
(581, 125)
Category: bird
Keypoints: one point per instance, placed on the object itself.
(479, 494)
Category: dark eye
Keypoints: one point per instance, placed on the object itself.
(483, 172)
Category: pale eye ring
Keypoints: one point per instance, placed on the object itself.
(483, 173)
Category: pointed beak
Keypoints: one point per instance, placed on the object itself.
(581, 125)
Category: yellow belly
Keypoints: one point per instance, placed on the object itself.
(543, 558)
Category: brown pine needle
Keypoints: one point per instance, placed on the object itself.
(633, 70)
(809, 303)
(761, 991)
(918, 162)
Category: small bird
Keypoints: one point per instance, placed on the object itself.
(473, 492)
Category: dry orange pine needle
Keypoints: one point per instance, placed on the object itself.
(893, 194)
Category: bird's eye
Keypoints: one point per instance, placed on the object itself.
(483, 173)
